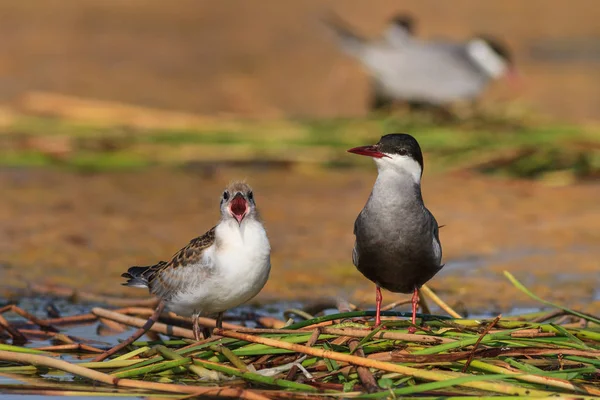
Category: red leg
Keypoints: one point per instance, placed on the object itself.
(378, 299)
(415, 306)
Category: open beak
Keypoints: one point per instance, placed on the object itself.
(371, 151)
(238, 207)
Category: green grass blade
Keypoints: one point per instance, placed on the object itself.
(522, 288)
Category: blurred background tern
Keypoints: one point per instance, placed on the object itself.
(430, 72)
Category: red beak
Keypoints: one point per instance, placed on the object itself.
(238, 207)
(514, 78)
(371, 151)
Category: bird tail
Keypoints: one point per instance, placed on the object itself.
(350, 42)
(138, 277)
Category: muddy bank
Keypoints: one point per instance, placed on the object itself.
(83, 230)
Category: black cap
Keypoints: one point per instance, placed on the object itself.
(498, 47)
(402, 144)
(405, 21)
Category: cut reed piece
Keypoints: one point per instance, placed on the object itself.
(113, 326)
(364, 374)
(19, 311)
(531, 333)
(136, 335)
(139, 322)
(14, 333)
(73, 319)
(310, 342)
(270, 322)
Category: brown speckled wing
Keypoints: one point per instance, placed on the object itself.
(192, 253)
(167, 277)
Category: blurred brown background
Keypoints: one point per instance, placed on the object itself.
(272, 58)
(82, 202)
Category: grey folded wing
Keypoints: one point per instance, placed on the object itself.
(437, 245)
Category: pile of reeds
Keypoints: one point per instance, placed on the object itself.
(551, 353)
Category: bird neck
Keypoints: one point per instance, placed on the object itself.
(397, 188)
(399, 169)
(230, 231)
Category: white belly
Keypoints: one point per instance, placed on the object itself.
(238, 264)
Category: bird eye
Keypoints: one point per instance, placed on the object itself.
(250, 196)
(402, 152)
(225, 196)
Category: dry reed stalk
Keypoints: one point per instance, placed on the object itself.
(50, 335)
(74, 369)
(73, 319)
(139, 322)
(113, 326)
(269, 330)
(135, 336)
(364, 374)
(73, 346)
(14, 333)
(531, 333)
(485, 332)
(385, 366)
(271, 322)
(19, 311)
(408, 337)
(427, 291)
(310, 342)
(127, 383)
(423, 303)
(207, 322)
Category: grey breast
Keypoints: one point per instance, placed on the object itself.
(434, 72)
(397, 244)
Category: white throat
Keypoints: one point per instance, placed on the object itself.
(486, 58)
(396, 35)
(401, 165)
